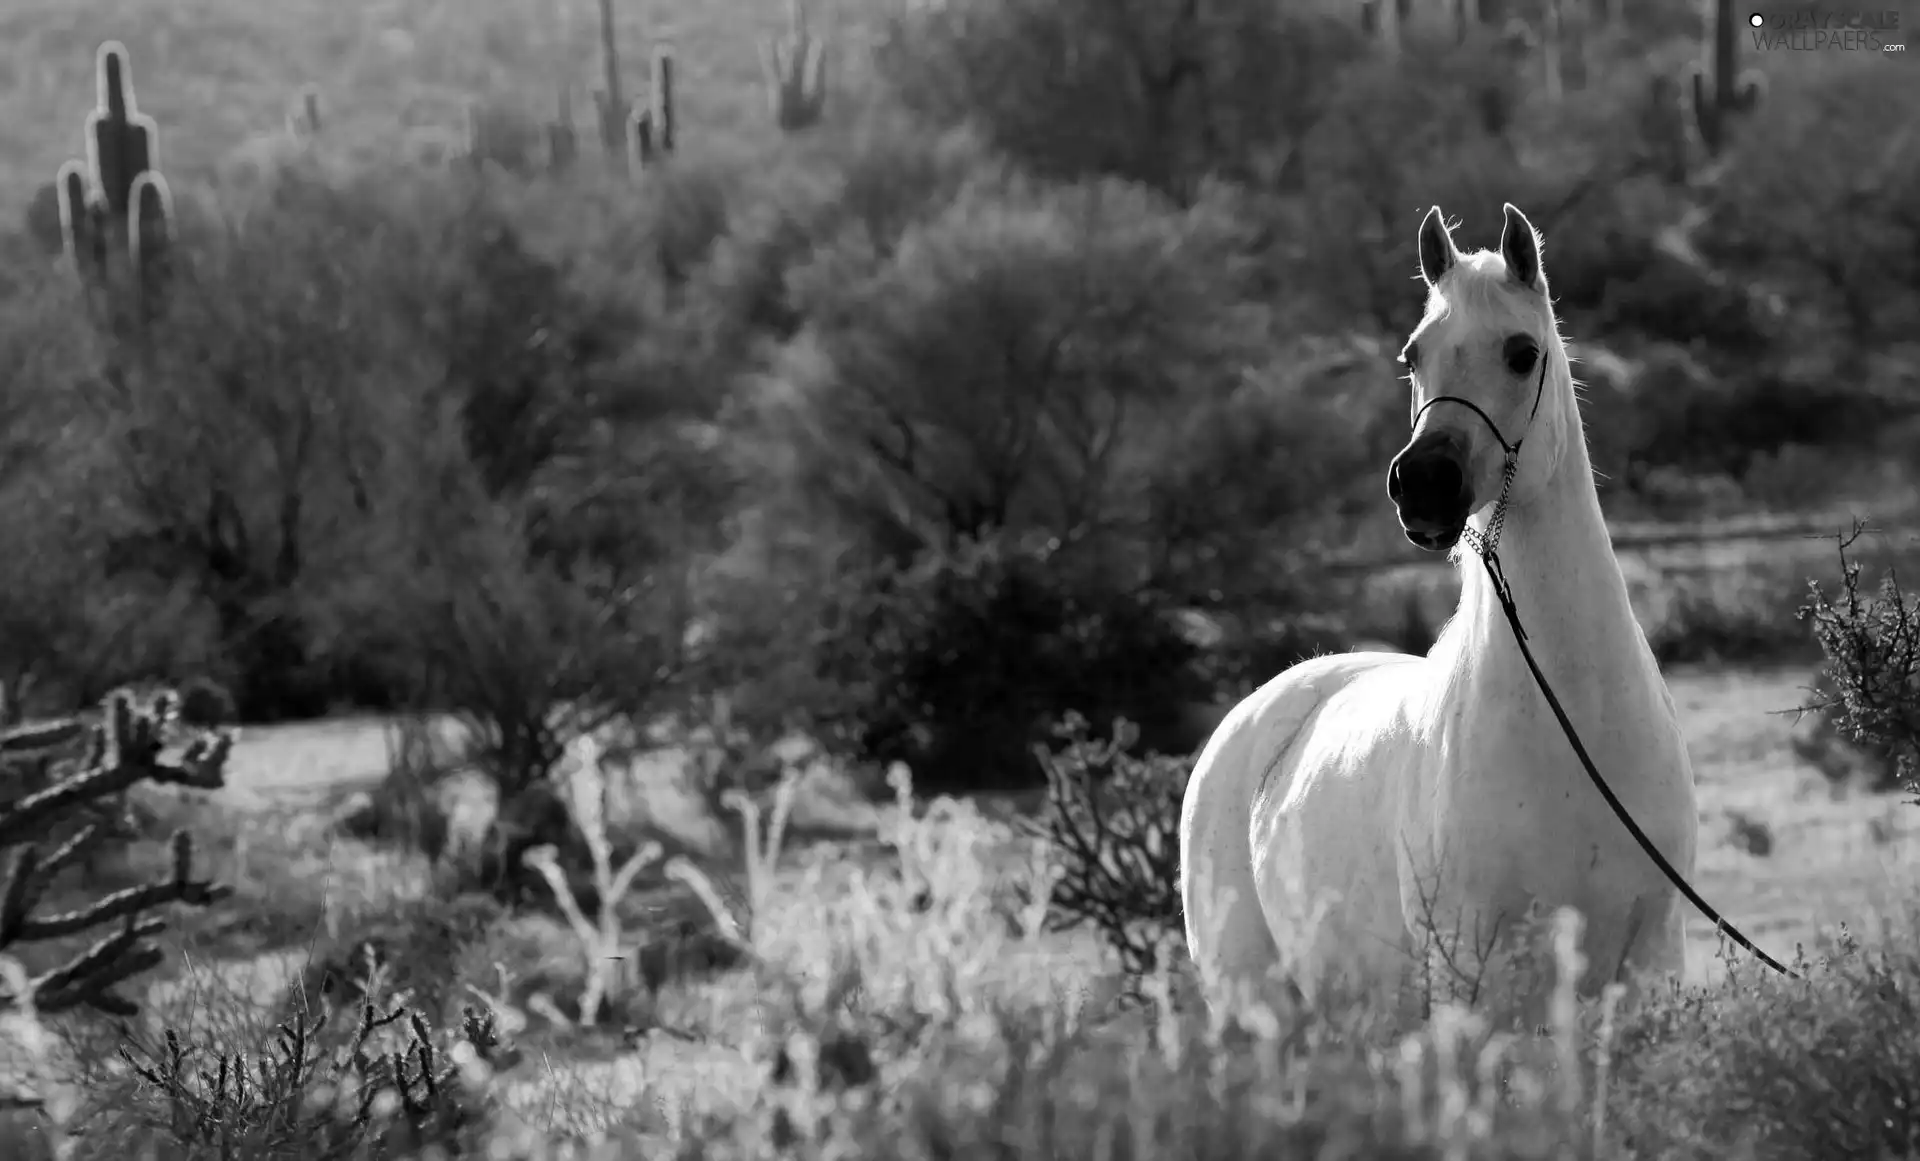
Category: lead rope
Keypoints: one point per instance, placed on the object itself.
(1486, 545)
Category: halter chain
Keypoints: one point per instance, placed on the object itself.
(1487, 546)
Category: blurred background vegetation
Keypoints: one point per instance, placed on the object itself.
(1038, 358)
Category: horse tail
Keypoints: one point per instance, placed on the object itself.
(1227, 932)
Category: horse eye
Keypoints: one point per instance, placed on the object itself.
(1411, 356)
(1520, 354)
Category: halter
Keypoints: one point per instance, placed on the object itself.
(1486, 543)
(1486, 546)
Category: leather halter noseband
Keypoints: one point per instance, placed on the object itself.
(1486, 543)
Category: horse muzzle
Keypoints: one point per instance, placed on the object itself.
(1431, 494)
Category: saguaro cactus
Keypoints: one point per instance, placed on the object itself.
(83, 222)
(1466, 19)
(1726, 93)
(795, 68)
(651, 127)
(666, 128)
(304, 119)
(119, 194)
(563, 144)
(122, 142)
(1382, 20)
(611, 103)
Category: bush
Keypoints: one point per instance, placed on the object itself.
(1753, 1068)
(1870, 681)
(1112, 828)
(958, 663)
(1002, 365)
(1813, 207)
(348, 1081)
(1160, 93)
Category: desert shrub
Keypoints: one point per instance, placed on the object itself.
(1161, 93)
(957, 663)
(352, 1080)
(1870, 678)
(205, 703)
(527, 656)
(1112, 828)
(1006, 363)
(249, 425)
(1749, 1068)
(1293, 448)
(403, 954)
(74, 626)
(1812, 207)
(873, 185)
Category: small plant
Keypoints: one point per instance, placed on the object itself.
(390, 1083)
(1870, 680)
(795, 69)
(736, 923)
(602, 944)
(1112, 823)
(1721, 93)
(125, 748)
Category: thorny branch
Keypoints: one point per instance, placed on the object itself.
(124, 748)
(1870, 683)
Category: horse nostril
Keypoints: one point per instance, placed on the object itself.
(1437, 476)
(1436, 479)
(1396, 490)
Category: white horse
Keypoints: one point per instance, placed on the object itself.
(1383, 792)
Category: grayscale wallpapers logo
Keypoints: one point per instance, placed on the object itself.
(1829, 30)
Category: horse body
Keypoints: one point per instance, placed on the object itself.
(1360, 806)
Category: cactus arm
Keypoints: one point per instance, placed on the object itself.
(150, 238)
(1705, 112)
(639, 131)
(665, 119)
(75, 221)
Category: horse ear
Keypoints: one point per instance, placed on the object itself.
(1520, 246)
(1437, 254)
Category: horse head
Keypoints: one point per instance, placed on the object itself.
(1480, 363)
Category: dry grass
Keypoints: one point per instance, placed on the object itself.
(1833, 859)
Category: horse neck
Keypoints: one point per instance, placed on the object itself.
(1558, 560)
